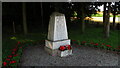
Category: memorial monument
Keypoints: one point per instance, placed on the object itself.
(57, 42)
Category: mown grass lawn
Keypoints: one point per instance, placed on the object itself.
(10, 41)
(101, 15)
(93, 34)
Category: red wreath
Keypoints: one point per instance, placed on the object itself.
(68, 47)
(62, 48)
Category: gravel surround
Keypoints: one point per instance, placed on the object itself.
(82, 56)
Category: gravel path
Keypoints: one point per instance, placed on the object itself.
(82, 56)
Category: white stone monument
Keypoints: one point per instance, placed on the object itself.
(57, 35)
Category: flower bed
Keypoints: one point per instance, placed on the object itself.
(96, 45)
(12, 57)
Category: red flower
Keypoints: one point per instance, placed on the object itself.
(15, 49)
(4, 63)
(12, 62)
(108, 46)
(91, 43)
(19, 42)
(10, 56)
(13, 52)
(20, 47)
(8, 59)
(73, 40)
(96, 44)
(15, 55)
(103, 43)
(62, 48)
(83, 41)
(68, 47)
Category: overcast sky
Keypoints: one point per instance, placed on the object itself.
(101, 8)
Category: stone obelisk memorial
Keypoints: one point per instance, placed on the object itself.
(57, 35)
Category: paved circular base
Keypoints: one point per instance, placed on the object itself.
(82, 56)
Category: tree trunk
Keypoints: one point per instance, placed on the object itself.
(107, 23)
(114, 21)
(114, 16)
(24, 18)
(104, 17)
(83, 24)
(107, 28)
(42, 25)
(82, 19)
(14, 27)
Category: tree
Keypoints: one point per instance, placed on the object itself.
(104, 16)
(85, 9)
(114, 15)
(115, 10)
(42, 14)
(82, 18)
(24, 18)
(63, 7)
(107, 22)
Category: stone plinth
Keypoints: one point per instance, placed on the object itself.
(53, 52)
(57, 35)
(56, 52)
(56, 44)
(64, 53)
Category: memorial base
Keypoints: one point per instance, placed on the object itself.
(64, 53)
(56, 44)
(57, 52)
(51, 51)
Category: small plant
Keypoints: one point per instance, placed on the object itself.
(12, 57)
(83, 43)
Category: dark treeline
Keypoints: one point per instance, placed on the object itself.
(35, 14)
